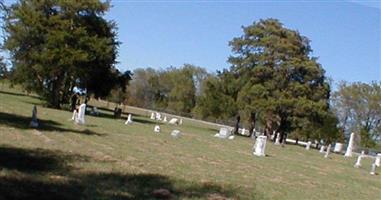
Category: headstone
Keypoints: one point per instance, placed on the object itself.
(348, 153)
(94, 111)
(231, 137)
(181, 121)
(338, 147)
(129, 119)
(308, 145)
(75, 115)
(81, 114)
(277, 139)
(328, 151)
(165, 119)
(373, 169)
(152, 115)
(223, 133)
(260, 146)
(175, 133)
(322, 149)
(158, 116)
(34, 122)
(378, 160)
(358, 162)
(156, 129)
(173, 121)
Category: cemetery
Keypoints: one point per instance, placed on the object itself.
(190, 100)
(101, 154)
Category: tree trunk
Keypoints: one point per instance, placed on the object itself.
(252, 123)
(236, 127)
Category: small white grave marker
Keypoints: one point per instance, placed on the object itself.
(378, 160)
(173, 121)
(224, 133)
(338, 147)
(81, 114)
(175, 133)
(328, 151)
(308, 145)
(373, 169)
(277, 139)
(156, 129)
(152, 115)
(358, 162)
(322, 149)
(165, 119)
(260, 146)
(129, 119)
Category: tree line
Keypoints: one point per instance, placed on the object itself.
(273, 81)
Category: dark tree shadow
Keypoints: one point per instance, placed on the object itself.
(48, 175)
(36, 160)
(22, 122)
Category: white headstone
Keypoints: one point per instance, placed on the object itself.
(81, 114)
(75, 115)
(158, 116)
(231, 137)
(260, 146)
(165, 119)
(348, 153)
(378, 160)
(373, 169)
(308, 145)
(156, 129)
(175, 133)
(152, 115)
(34, 122)
(277, 139)
(358, 162)
(181, 121)
(129, 119)
(328, 151)
(173, 121)
(338, 147)
(322, 149)
(224, 133)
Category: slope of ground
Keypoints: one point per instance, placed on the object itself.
(106, 159)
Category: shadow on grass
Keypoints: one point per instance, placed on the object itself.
(22, 122)
(59, 181)
(36, 160)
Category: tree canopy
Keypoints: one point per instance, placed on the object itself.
(58, 45)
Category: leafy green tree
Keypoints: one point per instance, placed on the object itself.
(278, 79)
(358, 108)
(57, 45)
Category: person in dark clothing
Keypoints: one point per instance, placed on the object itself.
(237, 125)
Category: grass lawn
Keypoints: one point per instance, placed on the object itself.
(106, 159)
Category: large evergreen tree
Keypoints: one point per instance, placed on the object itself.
(57, 45)
(277, 78)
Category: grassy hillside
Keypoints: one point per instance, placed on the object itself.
(106, 159)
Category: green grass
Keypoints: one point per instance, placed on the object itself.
(106, 159)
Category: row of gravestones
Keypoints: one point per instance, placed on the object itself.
(260, 146)
(157, 116)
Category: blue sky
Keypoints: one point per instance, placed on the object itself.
(345, 35)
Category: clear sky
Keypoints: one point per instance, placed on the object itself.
(345, 35)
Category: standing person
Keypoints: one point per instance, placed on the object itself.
(238, 119)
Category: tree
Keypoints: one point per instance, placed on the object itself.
(58, 45)
(278, 79)
(358, 108)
